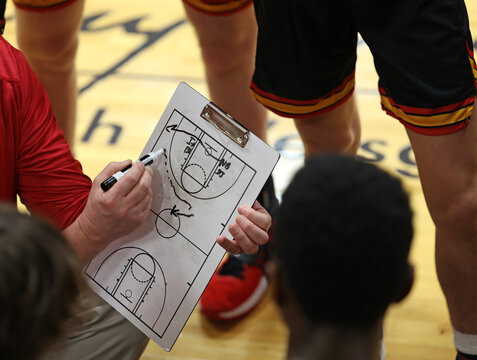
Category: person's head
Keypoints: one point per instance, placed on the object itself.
(342, 240)
(40, 280)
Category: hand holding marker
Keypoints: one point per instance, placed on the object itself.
(147, 159)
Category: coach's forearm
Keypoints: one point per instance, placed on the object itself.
(81, 240)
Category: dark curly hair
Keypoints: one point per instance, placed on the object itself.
(40, 280)
(342, 239)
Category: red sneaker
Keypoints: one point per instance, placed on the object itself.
(240, 282)
(234, 290)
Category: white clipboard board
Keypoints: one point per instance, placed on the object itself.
(155, 276)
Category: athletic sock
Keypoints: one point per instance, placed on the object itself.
(466, 345)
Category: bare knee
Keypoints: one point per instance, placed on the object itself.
(228, 53)
(55, 52)
(338, 130)
(49, 39)
(345, 141)
(457, 213)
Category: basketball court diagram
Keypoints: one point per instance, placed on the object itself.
(150, 272)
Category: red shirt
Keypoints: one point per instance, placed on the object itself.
(35, 160)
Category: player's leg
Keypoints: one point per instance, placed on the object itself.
(48, 36)
(433, 96)
(337, 130)
(227, 32)
(448, 171)
(310, 80)
(228, 41)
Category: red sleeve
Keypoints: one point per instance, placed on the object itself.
(50, 181)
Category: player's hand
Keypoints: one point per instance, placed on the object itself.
(120, 210)
(249, 230)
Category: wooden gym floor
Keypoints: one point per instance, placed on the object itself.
(130, 60)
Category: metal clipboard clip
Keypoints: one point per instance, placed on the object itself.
(226, 124)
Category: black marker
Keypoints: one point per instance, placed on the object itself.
(147, 159)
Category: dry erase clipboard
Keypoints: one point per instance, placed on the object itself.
(155, 276)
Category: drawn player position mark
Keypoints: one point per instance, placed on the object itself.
(206, 146)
